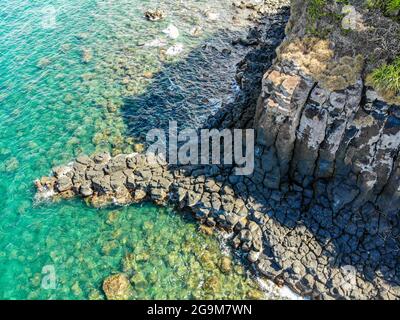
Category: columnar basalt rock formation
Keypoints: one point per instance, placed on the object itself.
(340, 145)
(321, 210)
(335, 141)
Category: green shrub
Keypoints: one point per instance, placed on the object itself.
(393, 5)
(318, 9)
(386, 6)
(386, 79)
(315, 8)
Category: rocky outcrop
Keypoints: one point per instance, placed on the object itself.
(327, 159)
(335, 142)
(310, 250)
(335, 153)
(118, 287)
(321, 210)
(206, 191)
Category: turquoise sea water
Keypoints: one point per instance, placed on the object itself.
(76, 76)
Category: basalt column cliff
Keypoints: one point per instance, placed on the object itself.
(330, 138)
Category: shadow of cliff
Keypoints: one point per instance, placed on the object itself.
(351, 254)
(338, 249)
(187, 91)
(202, 90)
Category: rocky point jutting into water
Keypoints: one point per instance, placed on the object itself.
(321, 210)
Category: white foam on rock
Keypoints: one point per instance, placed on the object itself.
(172, 31)
(271, 289)
(43, 196)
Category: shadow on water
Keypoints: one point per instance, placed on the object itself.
(196, 88)
(187, 91)
(210, 82)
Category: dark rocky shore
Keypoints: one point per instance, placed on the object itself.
(320, 212)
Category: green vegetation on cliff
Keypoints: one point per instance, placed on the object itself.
(315, 8)
(389, 7)
(365, 33)
(386, 79)
(319, 9)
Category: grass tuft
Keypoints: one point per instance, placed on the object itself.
(393, 5)
(386, 6)
(386, 78)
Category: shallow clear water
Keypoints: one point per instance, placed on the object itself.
(79, 76)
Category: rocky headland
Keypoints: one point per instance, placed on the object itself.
(320, 213)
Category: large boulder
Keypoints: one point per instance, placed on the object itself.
(64, 183)
(118, 287)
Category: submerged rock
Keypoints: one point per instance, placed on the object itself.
(156, 43)
(118, 287)
(206, 230)
(212, 284)
(256, 294)
(148, 74)
(43, 63)
(212, 15)
(66, 47)
(112, 217)
(10, 165)
(82, 36)
(68, 98)
(87, 55)
(95, 295)
(196, 31)
(139, 147)
(226, 265)
(139, 282)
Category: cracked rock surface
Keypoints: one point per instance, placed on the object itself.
(311, 250)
